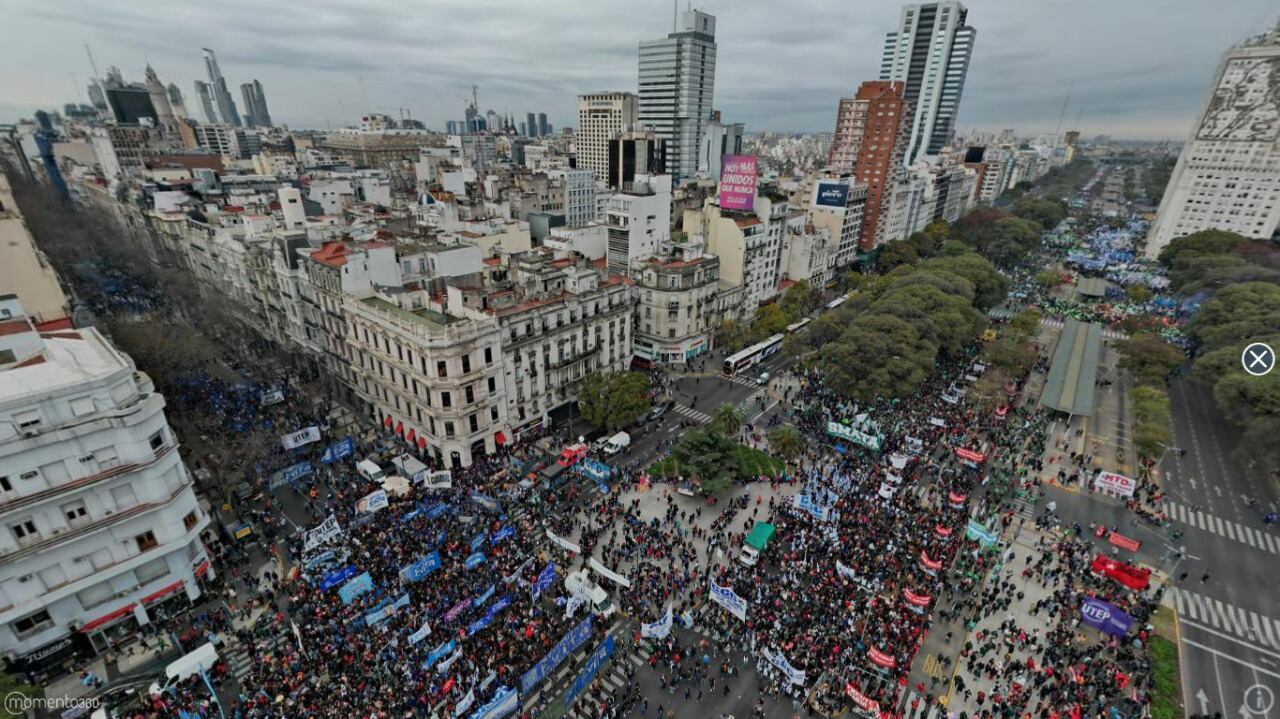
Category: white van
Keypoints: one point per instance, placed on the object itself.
(370, 470)
(198, 661)
(580, 583)
(617, 443)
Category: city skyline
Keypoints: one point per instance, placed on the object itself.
(770, 75)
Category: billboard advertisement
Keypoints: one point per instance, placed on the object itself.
(738, 182)
(832, 194)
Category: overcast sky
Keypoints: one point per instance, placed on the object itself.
(1137, 68)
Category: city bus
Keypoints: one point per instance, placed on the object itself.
(836, 302)
(752, 355)
(795, 327)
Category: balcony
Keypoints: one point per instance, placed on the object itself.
(83, 482)
(81, 530)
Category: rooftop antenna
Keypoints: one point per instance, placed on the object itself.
(1078, 116)
(675, 14)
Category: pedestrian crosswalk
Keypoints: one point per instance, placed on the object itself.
(923, 707)
(609, 685)
(1228, 618)
(1254, 537)
(1107, 332)
(751, 405)
(691, 413)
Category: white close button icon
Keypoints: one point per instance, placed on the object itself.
(1258, 359)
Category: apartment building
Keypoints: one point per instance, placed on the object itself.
(99, 526)
(677, 314)
(602, 116)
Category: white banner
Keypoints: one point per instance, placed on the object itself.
(372, 502)
(327, 530)
(609, 574)
(466, 703)
(893, 477)
(659, 629)
(274, 396)
(886, 491)
(937, 422)
(570, 546)
(727, 598)
(1114, 483)
(870, 587)
(898, 460)
(435, 480)
(777, 659)
(301, 437)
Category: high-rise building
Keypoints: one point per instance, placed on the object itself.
(929, 52)
(718, 139)
(635, 152)
(1228, 175)
(531, 124)
(205, 93)
(601, 117)
(638, 222)
(176, 103)
(255, 105)
(130, 104)
(97, 97)
(543, 128)
(160, 101)
(869, 142)
(103, 526)
(222, 99)
(676, 87)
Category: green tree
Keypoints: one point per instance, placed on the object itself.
(1151, 431)
(1205, 242)
(732, 336)
(929, 241)
(11, 685)
(707, 457)
(1237, 314)
(988, 392)
(770, 320)
(896, 253)
(786, 442)
(1026, 323)
(1048, 279)
(989, 286)
(799, 300)
(878, 356)
(727, 419)
(1046, 213)
(949, 321)
(1149, 359)
(612, 399)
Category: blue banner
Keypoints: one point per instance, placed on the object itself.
(387, 609)
(333, 579)
(561, 651)
(362, 584)
(295, 472)
(477, 542)
(338, 450)
(475, 560)
(504, 702)
(502, 534)
(436, 510)
(420, 634)
(480, 600)
(546, 578)
(817, 511)
(1106, 617)
(439, 653)
(727, 598)
(479, 624)
(487, 502)
(503, 602)
(594, 662)
(419, 570)
(595, 469)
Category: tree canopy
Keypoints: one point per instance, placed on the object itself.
(613, 399)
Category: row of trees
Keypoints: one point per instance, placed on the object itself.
(1008, 357)
(1209, 260)
(797, 303)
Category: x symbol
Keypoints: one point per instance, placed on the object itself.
(1258, 359)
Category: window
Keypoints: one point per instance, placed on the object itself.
(25, 529)
(469, 394)
(5, 485)
(493, 385)
(493, 414)
(442, 369)
(448, 430)
(157, 440)
(27, 420)
(32, 623)
(191, 520)
(75, 512)
(466, 364)
(445, 400)
(474, 422)
(488, 355)
(146, 541)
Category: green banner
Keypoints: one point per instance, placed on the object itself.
(847, 433)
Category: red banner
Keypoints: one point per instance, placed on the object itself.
(1124, 542)
(942, 531)
(1130, 576)
(919, 600)
(957, 500)
(929, 563)
(969, 454)
(864, 702)
(881, 659)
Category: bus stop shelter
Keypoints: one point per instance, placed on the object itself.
(1073, 373)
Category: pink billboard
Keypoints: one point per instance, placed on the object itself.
(738, 182)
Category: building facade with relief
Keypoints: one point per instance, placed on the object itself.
(678, 312)
(99, 524)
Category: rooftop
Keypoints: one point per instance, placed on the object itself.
(428, 317)
(1070, 386)
(69, 358)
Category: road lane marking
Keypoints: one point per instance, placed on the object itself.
(1229, 657)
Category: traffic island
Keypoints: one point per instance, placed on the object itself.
(1166, 675)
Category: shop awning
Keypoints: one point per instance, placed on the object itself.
(108, 618)
(500, 438)
(386, 422)
(411, 436)
(422, 443)
(399, 427)
(162, 593)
